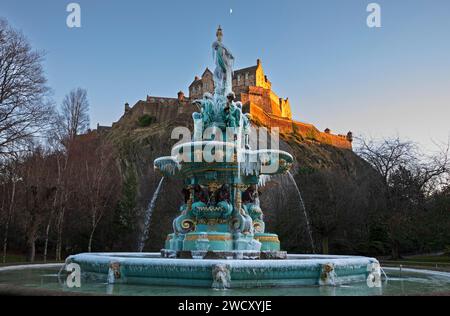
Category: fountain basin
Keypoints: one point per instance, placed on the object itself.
(43, 280)
(151, 269)
(196, 157)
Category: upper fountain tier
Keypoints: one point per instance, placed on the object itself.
(221, 140)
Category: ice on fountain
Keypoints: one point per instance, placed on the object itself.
(188, 147)
(111, 278)
(263, 179)
(167, 165)
(198, 126)
(221, 277)
(297, 267)
(249, 164)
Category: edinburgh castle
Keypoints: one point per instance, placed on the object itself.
(253, 88)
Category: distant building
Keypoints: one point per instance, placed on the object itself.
(103, 129)
(250, 85)
(254, 90)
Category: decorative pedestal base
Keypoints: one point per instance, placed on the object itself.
(269, 242)
(225, 255)
(221, 242)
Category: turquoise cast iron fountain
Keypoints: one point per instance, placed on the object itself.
(219, 239)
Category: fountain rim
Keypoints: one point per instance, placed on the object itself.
(293, 260)
(32, 266)
(203, 143)
(174, 158)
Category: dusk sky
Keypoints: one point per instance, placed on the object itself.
(337, 72)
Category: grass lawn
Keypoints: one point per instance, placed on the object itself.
(441, 263)
(17, 259)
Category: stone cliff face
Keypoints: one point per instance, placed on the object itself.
(322, 172)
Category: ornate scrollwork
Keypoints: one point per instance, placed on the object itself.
(258, 227)
(188, 225)
(285, 166)
(215, 221)
(214, 186)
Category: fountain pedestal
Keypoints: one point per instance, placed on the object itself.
(221, 174)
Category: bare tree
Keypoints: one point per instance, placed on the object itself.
(10, 179)
(386, 155)
(75, 113)
(37, 193)
(98, 181)
(25, 107)
(73, 121)
(410, 177)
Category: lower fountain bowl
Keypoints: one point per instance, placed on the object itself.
(297, 270)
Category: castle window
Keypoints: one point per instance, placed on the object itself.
(238, 78)
(246, 76)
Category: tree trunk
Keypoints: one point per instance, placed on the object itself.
(47, 232)
(31, 238)
(59, 235)
(8, 220)
(325, 245)
(52, 213)
(32, 250)
(91, 236)
(395, 250)
(62, 208)
(5, 241)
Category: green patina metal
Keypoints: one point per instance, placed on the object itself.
(221, 209)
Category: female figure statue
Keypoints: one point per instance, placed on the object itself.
(224, 60)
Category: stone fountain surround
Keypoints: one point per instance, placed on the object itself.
(152, 269)
(19, 290)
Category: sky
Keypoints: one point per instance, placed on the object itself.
(337, 72)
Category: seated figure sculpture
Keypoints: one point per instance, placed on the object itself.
(250, 201)
(205, 117)
(236, 119)
(222, 198)
(232, 114)
(201, 199)
(206, 107)
(215, 204)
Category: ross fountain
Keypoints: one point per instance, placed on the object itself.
(219, 239)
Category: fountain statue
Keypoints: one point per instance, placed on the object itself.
(220, 216)
(224, 61)
(219, 238)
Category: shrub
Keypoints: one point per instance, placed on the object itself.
(146, 120)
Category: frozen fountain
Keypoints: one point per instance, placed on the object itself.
(219, 238)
